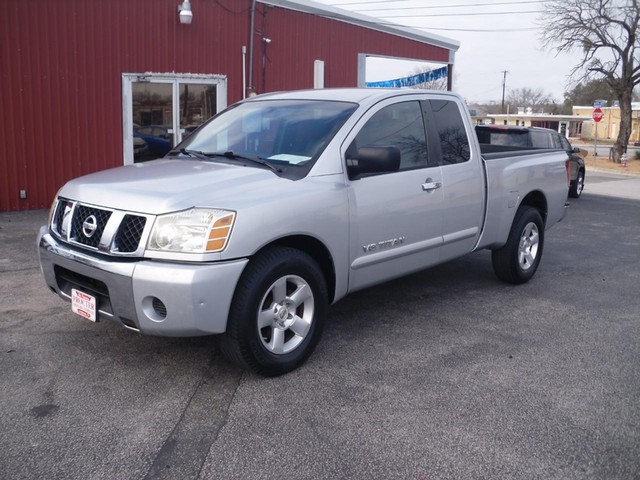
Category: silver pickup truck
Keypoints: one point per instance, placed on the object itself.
(283, 204)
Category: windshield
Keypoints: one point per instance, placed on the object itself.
(288, 134)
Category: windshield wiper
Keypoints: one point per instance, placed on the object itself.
(230, 155)
(191, 153)
(235, 156)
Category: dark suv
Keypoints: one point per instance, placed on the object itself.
(536, 137)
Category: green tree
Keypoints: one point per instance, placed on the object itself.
(588, 92)
(606, 33)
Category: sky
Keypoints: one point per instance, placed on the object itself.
(494, 36)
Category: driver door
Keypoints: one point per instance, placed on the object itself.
(395, 217)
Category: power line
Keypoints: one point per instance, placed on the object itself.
(430, 7)
(473, 14)
(369, 2)
(474, 30)
(380, 22)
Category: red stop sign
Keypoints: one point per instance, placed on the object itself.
(597, 115)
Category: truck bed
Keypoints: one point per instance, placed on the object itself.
(512, 175)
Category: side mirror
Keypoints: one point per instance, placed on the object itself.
(373, 160)
(575, 150)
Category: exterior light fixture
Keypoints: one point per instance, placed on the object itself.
(184, 12)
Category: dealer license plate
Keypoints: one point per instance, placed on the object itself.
(83, 304)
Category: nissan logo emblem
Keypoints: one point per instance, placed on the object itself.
(89, 226)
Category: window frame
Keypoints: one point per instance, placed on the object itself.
(358, 130)
(565, 143)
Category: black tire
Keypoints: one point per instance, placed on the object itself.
(284, 290)
(576, 188)
(517, 261)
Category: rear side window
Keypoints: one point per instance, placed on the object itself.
(541, 140)
(399, 125)
(454, 143)
(513, 138)
(565, 144)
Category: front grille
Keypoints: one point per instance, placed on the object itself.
(86, 227)
(129, 233)
(88, 224)
(63, 205)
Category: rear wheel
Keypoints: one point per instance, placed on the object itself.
(277, 314)
(576, 188)
(518, 260)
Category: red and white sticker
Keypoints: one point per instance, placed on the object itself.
(83, 304)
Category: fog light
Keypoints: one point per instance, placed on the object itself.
(159, 307)
(154, 309)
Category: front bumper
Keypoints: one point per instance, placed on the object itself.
(152, 297)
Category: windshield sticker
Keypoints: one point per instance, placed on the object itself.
(286, 157)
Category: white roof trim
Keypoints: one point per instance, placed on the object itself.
(315, 8)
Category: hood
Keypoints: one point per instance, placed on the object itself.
(169, 185)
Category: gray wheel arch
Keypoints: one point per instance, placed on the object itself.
(316, 250)
(537, 200)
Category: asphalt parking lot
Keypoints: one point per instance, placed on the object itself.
(447, 374)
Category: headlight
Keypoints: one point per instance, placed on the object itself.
(199, 230)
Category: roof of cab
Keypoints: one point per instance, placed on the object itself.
(357, 95)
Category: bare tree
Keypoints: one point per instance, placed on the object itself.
(606, 32)
(535, 98)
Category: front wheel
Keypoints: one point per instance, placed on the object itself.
(518, 260)
(277, 313)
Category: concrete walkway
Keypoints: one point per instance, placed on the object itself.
(600, 182)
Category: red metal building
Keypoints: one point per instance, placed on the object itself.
(88, 84)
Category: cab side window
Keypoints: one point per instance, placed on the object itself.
(454, 143)
(399, 125)
(565, 144)
(557, 142)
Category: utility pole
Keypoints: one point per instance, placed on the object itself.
(504, 84)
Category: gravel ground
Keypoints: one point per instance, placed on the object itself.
(446, 374)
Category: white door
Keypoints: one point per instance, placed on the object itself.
(160, 110)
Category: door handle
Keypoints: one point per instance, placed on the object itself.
(429, 185)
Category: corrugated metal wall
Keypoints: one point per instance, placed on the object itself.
(61, 66)
(297, 39)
